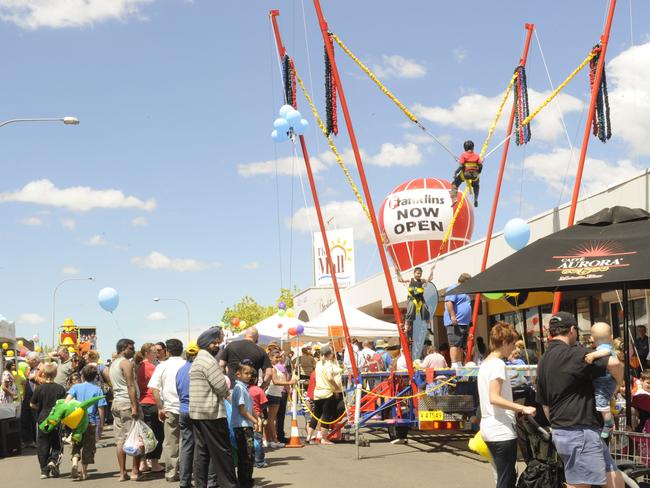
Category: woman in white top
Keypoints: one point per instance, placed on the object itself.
(274, 396)
(497, 408)
(327, 393)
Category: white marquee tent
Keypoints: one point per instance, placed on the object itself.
(361, 325)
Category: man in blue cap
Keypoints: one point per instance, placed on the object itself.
(208, 390)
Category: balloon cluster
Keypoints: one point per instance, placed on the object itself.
(235, 324)
(289, 124)
(297, 330)
(284, 310)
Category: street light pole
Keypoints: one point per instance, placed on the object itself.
(187, 309)
(90, 278)
(65, 120)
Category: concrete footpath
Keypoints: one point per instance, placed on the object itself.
(427, 460)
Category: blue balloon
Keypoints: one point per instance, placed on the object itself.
(293, 118)
(517, 233)
(108, 299)
(300, 329)
(302, 127)
(281, 125)
(284, 110)
(279, 136)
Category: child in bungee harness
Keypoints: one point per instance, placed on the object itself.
(470, 166)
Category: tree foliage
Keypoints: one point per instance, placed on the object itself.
(248, 310)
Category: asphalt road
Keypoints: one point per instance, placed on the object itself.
(426, 460)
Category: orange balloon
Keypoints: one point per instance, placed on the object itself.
(634, 362)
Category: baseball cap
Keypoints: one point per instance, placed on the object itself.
(192, 348)
(564, 318)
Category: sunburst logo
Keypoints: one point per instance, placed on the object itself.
(596, 249)
(339, 247)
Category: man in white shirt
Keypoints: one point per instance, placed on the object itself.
(163, 386)
(360, 360)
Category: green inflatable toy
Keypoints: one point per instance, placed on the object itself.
(72, 414)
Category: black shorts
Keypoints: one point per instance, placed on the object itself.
(273, 400)
(457, 335)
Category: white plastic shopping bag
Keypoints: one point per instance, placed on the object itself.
(141, 440)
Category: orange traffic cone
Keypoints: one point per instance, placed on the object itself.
(294, 439)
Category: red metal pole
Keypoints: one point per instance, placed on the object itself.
(366, 190)
(504, 156)
(604, 40)
(326, 243)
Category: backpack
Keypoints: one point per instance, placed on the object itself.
(376, 363)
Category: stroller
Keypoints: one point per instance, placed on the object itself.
(543, 466)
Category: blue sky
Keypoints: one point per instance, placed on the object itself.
(177, 100)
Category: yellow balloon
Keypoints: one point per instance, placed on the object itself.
(5, 346)
(242, 324)
(478, 445)
(20, 343)
(10, 354)
(37, 349)
(290, 313)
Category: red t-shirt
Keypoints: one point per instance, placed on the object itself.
(259, 399)
(470, 160)
(144, 375)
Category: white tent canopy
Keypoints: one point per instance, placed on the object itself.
(361, 325)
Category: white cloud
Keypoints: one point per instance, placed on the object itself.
(598, 174)
(285, 166)
(30, 319)
(70, 270)
(78, 198)
(251, 265)
(31, 221)
(139, 222)
(476, 111)
(69, 224)
(460, 53)
(156, 316)
(96, 240)
(394, 155)
(156, 260)
(629, 97)
(399, 67)
(342, 214)
(34, 14)
(389, 155)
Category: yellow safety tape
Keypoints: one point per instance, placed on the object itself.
(450, 227)
(323, 422)
(555, 92)
(374, 78)
(498, 115)
(335, 151)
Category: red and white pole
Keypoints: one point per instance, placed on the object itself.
(504, 156)
(366, 190)
(604, 40)
(310, 175)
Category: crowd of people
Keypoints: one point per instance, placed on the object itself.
(202, 401)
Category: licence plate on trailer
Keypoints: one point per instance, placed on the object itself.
(428, 415)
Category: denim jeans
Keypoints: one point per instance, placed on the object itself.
(504, 455)
(259, 447)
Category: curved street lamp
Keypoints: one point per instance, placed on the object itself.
(187, 309)
(66, 120)
(90, 278)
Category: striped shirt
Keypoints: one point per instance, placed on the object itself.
(208, 388)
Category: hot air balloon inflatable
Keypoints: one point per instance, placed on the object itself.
(414, 218)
